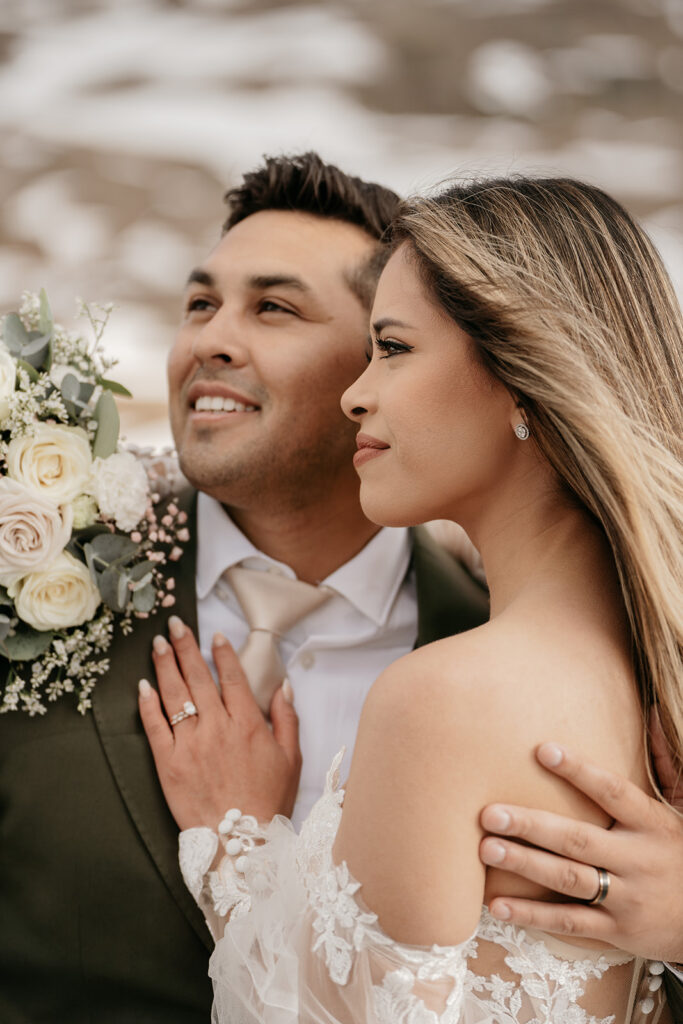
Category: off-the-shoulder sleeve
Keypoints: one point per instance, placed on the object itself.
(296, 944)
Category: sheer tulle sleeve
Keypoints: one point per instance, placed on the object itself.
(297, 945)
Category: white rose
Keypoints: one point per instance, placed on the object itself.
(121, 489)
(8, 379)
(32, 531)
(55, 461)
(58, 597)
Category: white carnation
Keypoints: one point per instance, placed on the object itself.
(120, 487)
(55, 461)
(32, 530)
(58, 597)
(8, 376)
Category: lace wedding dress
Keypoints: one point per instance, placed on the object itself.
(299, 945)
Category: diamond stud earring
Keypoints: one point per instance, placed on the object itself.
(522, 431)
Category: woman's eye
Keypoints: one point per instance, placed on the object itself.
(390, 348)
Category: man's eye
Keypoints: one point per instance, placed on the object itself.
(199, 305)
(270, 306)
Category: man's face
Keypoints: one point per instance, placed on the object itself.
(271, 336)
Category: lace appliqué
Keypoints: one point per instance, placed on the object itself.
(340, 924)
(197, 848)
(554, 984)
(343, 928)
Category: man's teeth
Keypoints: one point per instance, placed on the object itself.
(214, 403)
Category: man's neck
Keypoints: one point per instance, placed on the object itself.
(314, 542)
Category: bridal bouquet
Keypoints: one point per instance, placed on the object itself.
(81, 547)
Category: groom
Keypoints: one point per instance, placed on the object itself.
(95, 922)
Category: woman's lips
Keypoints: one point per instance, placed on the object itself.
(368, 448)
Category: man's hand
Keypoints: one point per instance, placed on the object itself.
(225, 755)
(642, 851)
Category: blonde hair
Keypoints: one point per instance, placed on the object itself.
(571, 308)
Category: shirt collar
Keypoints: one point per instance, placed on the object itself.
(369, 581)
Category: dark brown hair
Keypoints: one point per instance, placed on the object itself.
(304, 183)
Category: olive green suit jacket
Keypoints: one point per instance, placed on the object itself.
(96, 925)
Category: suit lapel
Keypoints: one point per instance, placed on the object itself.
(449, 600)
(123, 740)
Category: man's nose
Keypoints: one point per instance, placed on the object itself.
(220, 340)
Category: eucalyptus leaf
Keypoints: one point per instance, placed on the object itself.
(35, 351)
(70, 387)
(139, 571)
(45, 323)
(113, 547)
(30, 370)
(107, 416)
(115, 387)
(14, 334)
(144, 599)
(26, 644)
(113, 587)
(85, 392)
(5, 624)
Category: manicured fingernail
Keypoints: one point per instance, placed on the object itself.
(219, 640)
(497, 819)
(501, 911)
(176, 627)
(144, 689)
(287, 691)
(550, 755)
(160, 645)
(493, 852)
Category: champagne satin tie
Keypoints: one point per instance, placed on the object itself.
(272, 604)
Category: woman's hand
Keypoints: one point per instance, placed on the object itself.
(226, 755)
(642, 851)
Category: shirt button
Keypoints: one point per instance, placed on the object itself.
(307, 660)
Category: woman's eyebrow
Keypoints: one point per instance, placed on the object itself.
(388, 321)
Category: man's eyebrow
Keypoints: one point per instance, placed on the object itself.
(262, 281)
(199, 276)
(387, 321)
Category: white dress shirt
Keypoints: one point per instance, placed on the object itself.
(333, 655)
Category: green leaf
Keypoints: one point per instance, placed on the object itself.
(5, 623)
(115, 387)
(70, 387)
(45, 323)
(113, 586)
(30, 370)
(85, 392)
(35, 351)
(14, 334)
(26, 644)
(145, 599)
(107, 416)
(140, 570)
(112, 548)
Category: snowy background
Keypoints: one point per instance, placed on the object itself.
(123, 121)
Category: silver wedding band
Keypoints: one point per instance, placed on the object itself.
(188, 711)
(603, 888)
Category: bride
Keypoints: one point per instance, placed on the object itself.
(525, 380)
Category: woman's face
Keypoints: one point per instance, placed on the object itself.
(436, 428)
